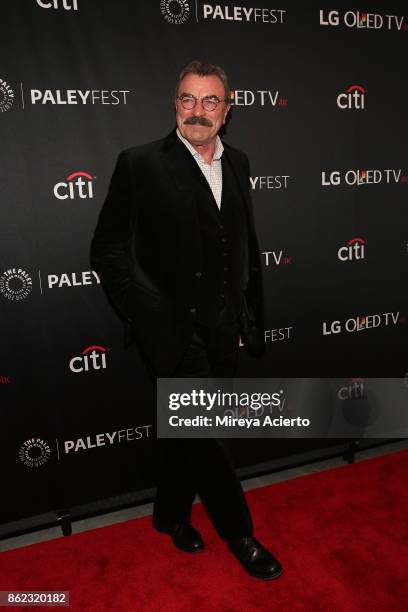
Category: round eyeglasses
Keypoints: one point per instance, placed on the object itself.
(209, 103)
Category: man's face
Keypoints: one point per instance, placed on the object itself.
(197, 125)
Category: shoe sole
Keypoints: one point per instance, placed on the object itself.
(273, 577)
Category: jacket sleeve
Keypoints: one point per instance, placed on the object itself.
(124, 281)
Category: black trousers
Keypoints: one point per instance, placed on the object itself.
(187, 467)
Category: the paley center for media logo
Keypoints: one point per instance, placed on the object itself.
(61, 97)
(34, 452)
(15, 284)
(75, 97)
(178, 12)
(6, 95)
(175, 11)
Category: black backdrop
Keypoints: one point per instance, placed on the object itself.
(320, 109)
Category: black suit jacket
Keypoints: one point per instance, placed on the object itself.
(146, 249)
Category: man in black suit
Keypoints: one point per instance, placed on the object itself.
(176, 250)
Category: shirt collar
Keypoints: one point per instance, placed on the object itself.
(219, 147)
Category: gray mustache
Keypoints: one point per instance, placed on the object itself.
(197, 119)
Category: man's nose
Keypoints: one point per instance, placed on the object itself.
(198, 109)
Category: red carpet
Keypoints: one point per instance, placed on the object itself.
(341, 535)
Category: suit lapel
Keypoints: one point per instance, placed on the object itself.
(185, 173)
(180, 166)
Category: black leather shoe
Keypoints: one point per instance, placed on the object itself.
(184, 536)
(254, 558)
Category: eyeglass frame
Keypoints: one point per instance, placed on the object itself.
(210, 98)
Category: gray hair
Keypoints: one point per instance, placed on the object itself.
(202, 68)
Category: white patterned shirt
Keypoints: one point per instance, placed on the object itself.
(213, 171)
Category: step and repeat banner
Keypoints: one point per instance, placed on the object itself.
(319, 106)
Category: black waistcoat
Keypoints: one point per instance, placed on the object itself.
(224, 245)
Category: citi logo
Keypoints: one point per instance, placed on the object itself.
(243, 13)
(352, 99)
(260, 97)
(68, 5)
(275, 258)
(353, 250)
(353, 390)
(77, 185)
(269, 182)
(361, 20)
(363, 177)
(91, 358)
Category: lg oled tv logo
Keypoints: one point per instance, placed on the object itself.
(362, 21)
(354, 250)
(6, 96)
(388, 176)
(92, 358)
(362, 323)
(352, 99)
(67, 5)
(260, 97)
(276, 258)
(77, 185)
